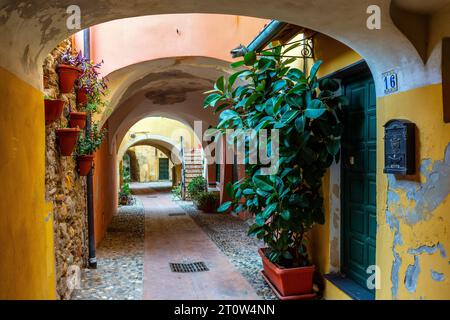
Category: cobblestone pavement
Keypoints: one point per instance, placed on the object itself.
(229, 233)
(120, 256)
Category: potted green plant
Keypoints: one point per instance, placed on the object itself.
(176, 192)
(288, 203)
(196, 186)
(124, 194)
(207, 201)
(86, 146)
(53, 109)
(68, 71)
(67, 138)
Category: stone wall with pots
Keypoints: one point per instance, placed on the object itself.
(64, 188)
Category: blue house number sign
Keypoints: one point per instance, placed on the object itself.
(390, 80)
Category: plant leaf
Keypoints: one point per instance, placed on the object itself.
(300, 124)
(315, 69)
(314, 113)
(250, 58)
(224, 207)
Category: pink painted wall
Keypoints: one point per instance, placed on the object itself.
(124, 42)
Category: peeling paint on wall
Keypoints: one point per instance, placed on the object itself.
(437, 276)
(394, 225)
(335, 217)
(412, 275)
(411, 202)
(429, 249)
(424, 197)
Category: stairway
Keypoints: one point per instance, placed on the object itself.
(193, 164)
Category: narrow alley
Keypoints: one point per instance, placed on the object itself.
(225, 150)
(144, 238)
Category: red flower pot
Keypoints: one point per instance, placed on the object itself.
(67, 140)
(67, 76)
(82, 98)
(77, 120)
(53, 110)
(85, 164)
(289, 282)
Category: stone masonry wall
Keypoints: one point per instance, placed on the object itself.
(64, 187)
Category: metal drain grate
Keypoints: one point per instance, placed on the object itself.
(176, 214)
(151, 197)
(188, 267)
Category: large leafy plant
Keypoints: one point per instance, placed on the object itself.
(273, 95)
(89, 143)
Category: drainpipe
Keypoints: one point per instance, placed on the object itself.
(92, 262)
(261, 40)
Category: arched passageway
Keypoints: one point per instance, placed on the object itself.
(34, 28)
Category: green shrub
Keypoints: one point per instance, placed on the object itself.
(88, 144)
(176, 192)
(196, 186)
(207, 201)
(125, 194)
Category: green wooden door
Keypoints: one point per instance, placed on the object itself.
(163, 169)
(359, 179)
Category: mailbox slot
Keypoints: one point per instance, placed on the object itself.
(400, 144)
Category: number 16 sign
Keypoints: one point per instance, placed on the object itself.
(390, 81)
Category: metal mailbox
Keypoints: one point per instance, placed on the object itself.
(400, 144)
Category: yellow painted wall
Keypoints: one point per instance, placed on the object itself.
(148, 158)
(27, 263)
(422, 106)
(335, 55)
(168, 128)
(425, 194)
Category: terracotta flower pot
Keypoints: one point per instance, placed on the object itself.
(289, 282)
(77, 120)
(82, 98)
(85, 164)
(67, 140)
(67, 76)
(124, 200)
(53, 110)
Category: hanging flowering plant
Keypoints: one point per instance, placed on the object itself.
(67, 57)
(94, 85)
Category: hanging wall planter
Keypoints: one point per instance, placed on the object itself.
(85, 164)
(53, 110)
(77, 119)
(67, 140)
(82, 98)
(67, 76)
(288, 281)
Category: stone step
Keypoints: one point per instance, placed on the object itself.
(199, 160)
(193, 174)
(193, 166)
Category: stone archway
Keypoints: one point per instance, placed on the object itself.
(35, 27)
